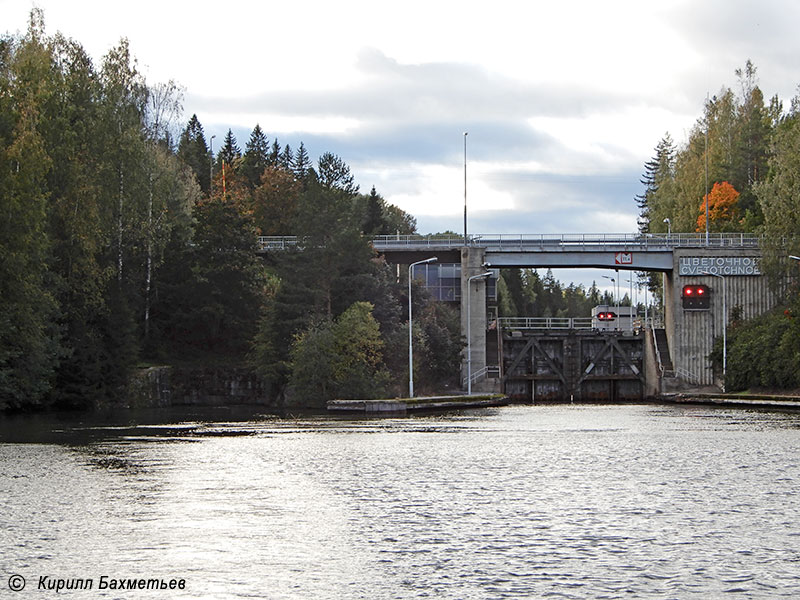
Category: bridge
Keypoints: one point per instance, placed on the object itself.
(725, 263)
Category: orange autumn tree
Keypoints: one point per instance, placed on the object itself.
(723, 209)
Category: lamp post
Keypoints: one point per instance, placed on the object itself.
(469, 329)
(669, 227)
(613, 291)
(465, 187)
(410, 332)
(724, 328)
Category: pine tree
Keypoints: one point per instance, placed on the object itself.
(193, 150)
(302, 164)
(229, 152)
(286, 160)
(274, 158)
(658, 170)
(334, 173)
(256, 157)
(374, 223)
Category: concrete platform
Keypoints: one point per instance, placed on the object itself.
(404, 405)
(736, 400)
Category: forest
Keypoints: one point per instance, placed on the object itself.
(126, 242)
(740, 166)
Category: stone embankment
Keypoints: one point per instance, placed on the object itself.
(164, 386)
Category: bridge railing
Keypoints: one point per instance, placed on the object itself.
(545, 322)
(589, 241)
(276, 242)
(542, 242)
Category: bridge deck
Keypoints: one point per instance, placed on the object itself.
(648, 252)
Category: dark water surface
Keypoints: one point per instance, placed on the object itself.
(517, 502)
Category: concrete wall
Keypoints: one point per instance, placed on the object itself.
(691, 334)
(159, 387)
(474, 293)
(652, 374)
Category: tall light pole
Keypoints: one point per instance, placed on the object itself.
(465, 187)
(469, 328)
(669, 227)
(706, 168)
(410, 332)
(724, 328)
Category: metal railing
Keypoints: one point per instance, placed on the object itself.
(543, 242)
(530, 323)
(687, 375)
(481, 374)
(269, 243)
(570, 241)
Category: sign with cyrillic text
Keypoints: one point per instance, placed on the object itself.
(718, 265)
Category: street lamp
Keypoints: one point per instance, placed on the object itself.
(410, 333)
(724, 328)
(669, 227)
(465, 188)
(469, 329)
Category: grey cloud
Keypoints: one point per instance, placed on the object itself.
(445, 92)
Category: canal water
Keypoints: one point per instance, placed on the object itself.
(517, 502)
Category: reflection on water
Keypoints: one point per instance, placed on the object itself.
(561, 501)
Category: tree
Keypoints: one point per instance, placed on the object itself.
(164, 108)
(339, 359)
(779, 198)
(722, 208)
(275, 202)
(229, 153)
(657, 178)
(193, 151)
(29, 350)
(286, 159)
(333, 173)
(302, 164)
(373, 219)
(227, 286)
(256, 157)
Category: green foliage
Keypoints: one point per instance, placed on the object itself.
(115, 248)
(339, 359)
(731, 143)
(193, 151)
(763, 352)
(256, 157)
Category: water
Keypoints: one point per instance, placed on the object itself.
(527, 501)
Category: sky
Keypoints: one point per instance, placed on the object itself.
(562, 102)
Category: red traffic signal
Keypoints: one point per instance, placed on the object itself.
(696, 297)
(606, 316)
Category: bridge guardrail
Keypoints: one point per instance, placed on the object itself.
(547, 242)
(543, 242)
(546, 322)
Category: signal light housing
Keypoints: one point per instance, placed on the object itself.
(606, 316)
(696, 297)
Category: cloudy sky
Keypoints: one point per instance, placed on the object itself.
(563, 102)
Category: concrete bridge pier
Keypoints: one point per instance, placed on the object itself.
(473, 307)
